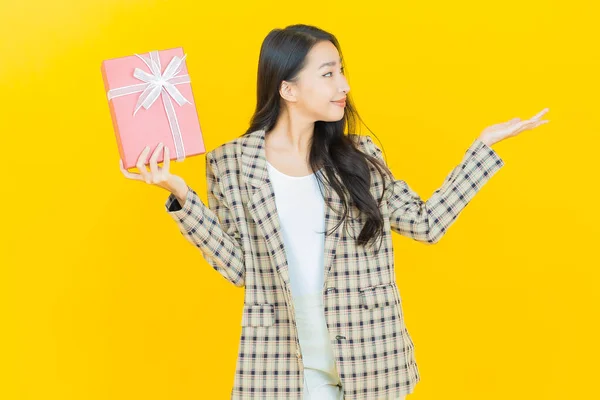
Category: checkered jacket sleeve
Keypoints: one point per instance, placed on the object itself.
(427, 221)
(211, 229)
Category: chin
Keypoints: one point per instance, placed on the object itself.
(332, 119)
(335, 117)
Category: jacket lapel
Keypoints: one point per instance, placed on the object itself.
(263, 210)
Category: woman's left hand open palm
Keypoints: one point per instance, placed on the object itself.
(498, 132)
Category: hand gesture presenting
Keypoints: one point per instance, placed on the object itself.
(496, 133)
(158, 176)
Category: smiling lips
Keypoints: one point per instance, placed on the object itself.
(340, 103)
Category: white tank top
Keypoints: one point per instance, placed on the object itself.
(301, 211)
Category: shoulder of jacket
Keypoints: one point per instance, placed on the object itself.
(226, 151)
(365, 143)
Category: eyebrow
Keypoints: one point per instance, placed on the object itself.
(330, 63)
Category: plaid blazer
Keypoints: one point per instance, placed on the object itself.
(239, 235)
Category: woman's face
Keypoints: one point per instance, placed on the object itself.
(319, 84)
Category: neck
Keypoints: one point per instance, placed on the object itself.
(290, 134)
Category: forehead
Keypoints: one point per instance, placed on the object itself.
(321, 53)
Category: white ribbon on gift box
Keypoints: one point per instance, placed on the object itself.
(159, 84)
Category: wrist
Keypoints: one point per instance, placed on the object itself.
(487, 141)
(178, 187)
(182, 195)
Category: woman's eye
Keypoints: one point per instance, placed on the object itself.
(341, 70)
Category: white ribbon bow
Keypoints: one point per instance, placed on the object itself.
(163, 84)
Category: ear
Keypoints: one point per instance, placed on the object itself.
(287, 90)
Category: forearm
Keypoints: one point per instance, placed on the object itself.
(178, 188)
(213, 232)
(427, 221)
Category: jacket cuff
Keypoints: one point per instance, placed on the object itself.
(173, 207)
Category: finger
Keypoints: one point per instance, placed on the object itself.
(143, 155)
(521, 126)
(141, 164)
(166, 160)
(136, 177)
(153, 158)
(512, 121)
(127, 173)
(531, 124)
(539, 115)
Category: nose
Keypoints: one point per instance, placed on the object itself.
(345, 87)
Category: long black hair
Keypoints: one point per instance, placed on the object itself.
(282, 56)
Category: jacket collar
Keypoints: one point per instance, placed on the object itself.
(254, 158)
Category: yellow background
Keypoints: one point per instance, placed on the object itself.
(102, 298)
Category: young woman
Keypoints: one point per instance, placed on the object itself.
(322, 315)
